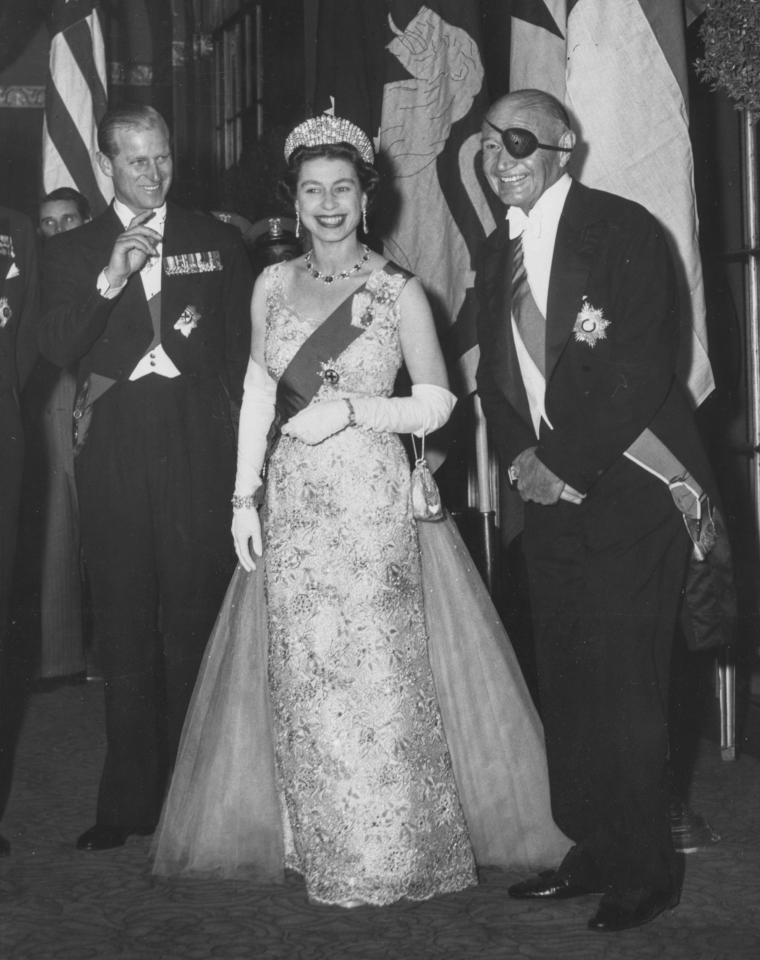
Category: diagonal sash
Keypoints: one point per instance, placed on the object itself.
(302, 378)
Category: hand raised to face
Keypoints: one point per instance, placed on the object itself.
(132, 248)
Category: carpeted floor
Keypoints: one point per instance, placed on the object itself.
(56, 902)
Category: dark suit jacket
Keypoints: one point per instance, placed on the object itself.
(18, 306)
(108, 337)
(19, 299)
(599, 398)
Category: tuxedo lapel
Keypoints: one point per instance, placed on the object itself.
(575, 250)
(170, 308)
(132, 329)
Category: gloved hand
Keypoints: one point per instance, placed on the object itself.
(426, 410)
(256, 416)
(315, 423)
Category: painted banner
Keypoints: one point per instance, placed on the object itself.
(411, 74)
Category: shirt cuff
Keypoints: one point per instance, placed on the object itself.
(105, 289)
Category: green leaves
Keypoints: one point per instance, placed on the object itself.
(730, 32)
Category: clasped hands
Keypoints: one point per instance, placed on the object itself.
(535, 481)
(315, 423)
(132, 249)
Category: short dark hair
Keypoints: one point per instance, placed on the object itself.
(74, 196)
(366, 173)
(139, 116)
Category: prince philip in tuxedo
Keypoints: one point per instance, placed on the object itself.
(578, 331)
(152, 301)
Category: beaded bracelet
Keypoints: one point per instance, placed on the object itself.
(243, 503)
(351, 413)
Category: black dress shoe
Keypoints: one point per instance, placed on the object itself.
(549, 885)
(5, 847)
(614, 915)
(102, 837)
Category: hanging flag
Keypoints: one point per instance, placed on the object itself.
(417, 86)
(75, 101)
(620, 68)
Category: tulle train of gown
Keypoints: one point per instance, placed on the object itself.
(222, 815)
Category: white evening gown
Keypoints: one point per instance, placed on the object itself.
(341, 727)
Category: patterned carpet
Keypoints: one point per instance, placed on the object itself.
(59, 903)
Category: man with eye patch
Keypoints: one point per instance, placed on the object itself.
(578, 328)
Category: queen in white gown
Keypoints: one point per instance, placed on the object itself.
(360, 716)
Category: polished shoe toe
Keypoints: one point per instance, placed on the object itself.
(549, 885)
(5, 847)
(102, 838)
(614, 914)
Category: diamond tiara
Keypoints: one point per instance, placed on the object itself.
(329, 129)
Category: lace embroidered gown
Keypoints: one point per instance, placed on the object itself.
(371, 806)
(336, 726)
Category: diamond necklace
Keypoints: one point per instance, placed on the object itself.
(330, 277)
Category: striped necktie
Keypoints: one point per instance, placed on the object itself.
(531, 323)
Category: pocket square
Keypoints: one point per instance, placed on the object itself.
(13, 271)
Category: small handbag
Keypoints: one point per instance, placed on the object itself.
(426, 498)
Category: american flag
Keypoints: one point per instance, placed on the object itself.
(620, 68)
(75, 100)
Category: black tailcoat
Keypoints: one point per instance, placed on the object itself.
(154, 477)
(605, 576)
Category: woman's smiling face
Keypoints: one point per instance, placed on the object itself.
(329, 198)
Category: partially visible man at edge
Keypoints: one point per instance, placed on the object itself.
(578, 330)
(49, 548)
(153, 302)
(18, 308)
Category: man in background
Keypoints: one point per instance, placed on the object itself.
(61, 210)
(49, 585)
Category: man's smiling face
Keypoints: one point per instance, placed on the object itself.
(141, 167)
(520, 182)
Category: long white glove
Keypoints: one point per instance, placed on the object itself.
(256, 416)
(426, 410)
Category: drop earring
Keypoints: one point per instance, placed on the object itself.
(298, 222)
(364, 215)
